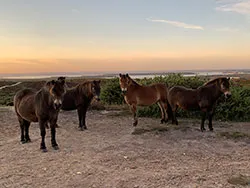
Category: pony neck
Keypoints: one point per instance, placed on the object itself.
(134, 83)
(83, 89)
(216, 90)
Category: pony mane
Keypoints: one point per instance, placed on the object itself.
(134, 82)
(212, 81)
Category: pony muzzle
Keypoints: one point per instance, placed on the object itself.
(124, 90)
(227, 94)
(57, 104)
(97, 98)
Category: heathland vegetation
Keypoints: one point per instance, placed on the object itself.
(236, 108)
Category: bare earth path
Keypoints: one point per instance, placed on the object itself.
(3, 87)
(109, 155)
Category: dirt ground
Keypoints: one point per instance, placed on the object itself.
(111, 153)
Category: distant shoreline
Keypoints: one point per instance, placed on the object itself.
(39, 76)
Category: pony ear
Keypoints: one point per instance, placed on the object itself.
(120, 75)
(53, 82)
(98, 81)
(127, 75)
(61, 79)
(228, 78)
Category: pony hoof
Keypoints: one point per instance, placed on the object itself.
(23, 141)
(28, 140)
(81, 129)
(135, 124)
(203, 129)
(162, 121)
(85, 128)
(55, 147)
(44, 150)
(211, 129)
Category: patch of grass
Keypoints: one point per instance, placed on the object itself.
(234, 135)
(239, 180)
(138, 131)
(181, 128)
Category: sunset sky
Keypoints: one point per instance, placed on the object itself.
(123, 35)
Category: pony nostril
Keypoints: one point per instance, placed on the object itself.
(228, 95)
(57, 106)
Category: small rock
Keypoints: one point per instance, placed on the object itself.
(78, 173)
(125, 157)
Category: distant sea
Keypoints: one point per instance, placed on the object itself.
(132, 74)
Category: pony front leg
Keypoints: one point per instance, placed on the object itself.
(133, 109)
(42, 125)
(84, 111)
(53, 135)
(80, 114)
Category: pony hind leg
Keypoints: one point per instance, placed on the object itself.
(26, 126)
(174, 120)
(210, 117)
(164, 116)
(203, 118)
(20, 120)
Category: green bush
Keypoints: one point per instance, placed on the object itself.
(237, 108)
(111, 92)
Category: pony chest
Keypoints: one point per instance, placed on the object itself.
(129, 99)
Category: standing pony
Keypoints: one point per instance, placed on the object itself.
(138, 95)
(42, 106)
(79, 98)
(203, 98)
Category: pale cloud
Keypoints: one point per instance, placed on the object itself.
(227, 29)
(238, 6)
(177, 24)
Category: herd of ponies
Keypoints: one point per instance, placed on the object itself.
(43, 106)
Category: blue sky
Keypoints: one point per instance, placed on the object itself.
(134, 31)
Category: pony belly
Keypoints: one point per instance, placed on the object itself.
(29, 117)
(27, 112)
(189, 106)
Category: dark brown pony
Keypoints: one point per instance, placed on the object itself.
(79, 98)
(203, 98)
(138, 95)
(42, 106)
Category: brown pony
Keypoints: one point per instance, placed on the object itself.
(138, 95)
(203, 98)
(42, 106)
(79, 98)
